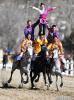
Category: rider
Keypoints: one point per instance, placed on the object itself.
(56, 44)
(41, 40)
(29, 44)
(43, 21)
(29, 29)
(23, 49)
(53, 31)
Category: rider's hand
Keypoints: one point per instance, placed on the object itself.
(54, 7)
(61, 55)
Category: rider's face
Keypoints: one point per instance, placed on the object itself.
(29, 23)
(56, 39)
(42, 37)
(42, 6)
(56, 29)
(29, 36)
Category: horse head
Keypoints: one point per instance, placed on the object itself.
(43, 53)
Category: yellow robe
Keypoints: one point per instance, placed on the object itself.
(37, 45)
(59, 46)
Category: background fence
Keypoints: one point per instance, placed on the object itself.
(70, 67)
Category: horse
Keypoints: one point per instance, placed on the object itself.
(22, 66)
(39, 65)
(55, 67)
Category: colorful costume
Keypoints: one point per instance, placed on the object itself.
(60, 49)
(24, 46)
(30, 30)
(43, 18)
(53, 46)
(52, 33)
(38, 43)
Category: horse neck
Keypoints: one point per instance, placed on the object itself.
(25, 54)
(43, 56)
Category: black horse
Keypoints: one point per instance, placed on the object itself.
(53, 68)
(39, 65)
(22, 66)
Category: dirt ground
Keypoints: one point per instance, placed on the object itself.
(14, 93)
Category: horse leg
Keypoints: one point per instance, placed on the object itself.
(32, 85)
(27, 79)
(49, 78)
(32, 79)
(46, 84)
(59, 74)
(13, 69)
(27, 76)
(37, 78)
(4, 66)
(21, 85)
(57, 83)
(44, 76)
(61, 80)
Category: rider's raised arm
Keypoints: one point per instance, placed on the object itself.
(49, 9)
(36, 9)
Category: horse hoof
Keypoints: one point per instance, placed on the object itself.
(57, 90)
(33, 87)
(20, 86)
(36, 80)
(51, 82)
(5, 85)
(61, 84)
(48, 87)
(25, 82)
(8, 81)
(46, 84)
